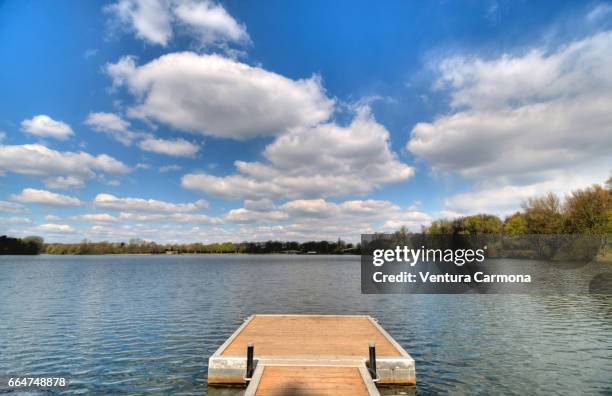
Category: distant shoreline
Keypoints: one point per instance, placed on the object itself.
(190, 254)
(598, 260)
(193, 254)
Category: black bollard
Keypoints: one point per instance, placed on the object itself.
(250, 369)
(372, 362)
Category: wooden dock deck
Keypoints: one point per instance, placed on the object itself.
(311, 354)
(311, 381)
(310, 335)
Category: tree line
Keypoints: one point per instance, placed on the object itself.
(139, 246)
(585, 211)
(27, 245)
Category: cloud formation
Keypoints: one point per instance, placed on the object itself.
(44, 197)
(523, 114)
(113, 125)
(301, 219)
(521, 123)
(181, 217)
(12, 207)
(45, 126)
(96, 217)
(172, 147)
(158, 21)
(243, 215)
(15, 220)
(64, 182)
(57, 168)
(322, 161)
(140, 205)
(217, 96)
(210, 23)
(56, 228)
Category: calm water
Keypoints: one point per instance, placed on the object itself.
(138, 324)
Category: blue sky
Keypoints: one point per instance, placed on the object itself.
(185, 120)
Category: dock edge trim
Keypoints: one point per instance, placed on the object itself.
(397, 346)
(251, 390)
(231, 338)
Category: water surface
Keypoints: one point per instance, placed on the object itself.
(147, 324)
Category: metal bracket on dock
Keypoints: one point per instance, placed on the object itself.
(372, 362)
(250, 366)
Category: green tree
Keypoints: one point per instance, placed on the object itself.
(480, 224)
(440, 227)
(543, 215)
(516, 224)
(589, 211)
(34, 244)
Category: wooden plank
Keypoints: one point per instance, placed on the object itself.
(311, 381)
(303, 336)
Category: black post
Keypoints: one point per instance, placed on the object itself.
(249, 372)
(372, 362)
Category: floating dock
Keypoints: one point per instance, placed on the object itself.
(311, 355)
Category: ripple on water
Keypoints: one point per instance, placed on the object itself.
(139, 324)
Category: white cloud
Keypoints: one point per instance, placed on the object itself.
(411, 219)
(15, 220)
(522, 124)
(117, 232)
(451, 214)
(64, 182)
(56, 228)
(499, 200)
(149, 19)
(44, 126)
(12, 207)
(210, 22)
(376, 214)
(108, 201)
(175, 148)
(523, 114)
(44, 197)
(96, 217)
(262, 205)
(310, 208)
(157, 21)
(170, 168)
(182, 217)
(262, 220)
(52, 218)
(326, 160)
(57, 168)
(114, 125)
(216, 96)
(319, 208)
(107, 122)
(317, 218)
(257, 221)
(243, 215)
(2, 135)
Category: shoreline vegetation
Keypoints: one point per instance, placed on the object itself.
(584, 212)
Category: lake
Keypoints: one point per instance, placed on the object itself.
(147, 324)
